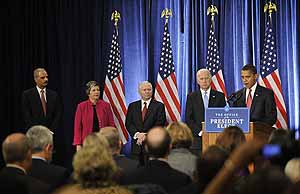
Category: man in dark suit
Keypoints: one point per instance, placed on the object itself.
(41, 106)
(196, 104)
(13, 178)
(157, 170)
(41, 139)
(143, 115)
(258, 99)
(126, 164)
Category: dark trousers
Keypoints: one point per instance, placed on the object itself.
(138, 152)
(196, 147)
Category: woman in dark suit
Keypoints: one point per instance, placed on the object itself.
(91, 114)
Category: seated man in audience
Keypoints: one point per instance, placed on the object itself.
(157, 170)
(41, 139)
(112, 135)
(13, 178)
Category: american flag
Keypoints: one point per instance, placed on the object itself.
(269, 75)
(166, 87)
(114, 92)
(213, 62)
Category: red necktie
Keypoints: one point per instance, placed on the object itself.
(249, 99)
(43, 102)
(144, 111)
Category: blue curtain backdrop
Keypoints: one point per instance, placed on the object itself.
(240, 28)
(71, 39)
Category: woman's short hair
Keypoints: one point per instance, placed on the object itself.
(181, 135)
(89, 86)
(93, 164)
(230, 138)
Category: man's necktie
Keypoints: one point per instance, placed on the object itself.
(43, 100)
(249, 99)
(144, 111)
(205, 100)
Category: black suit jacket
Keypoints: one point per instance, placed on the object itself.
(14, 180)
(51, 174)
(263, 107)
(155, 116)
(160, 173)
(33, 112)
(126, 165)
(194, 113)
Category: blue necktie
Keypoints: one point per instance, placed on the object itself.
(205, 100)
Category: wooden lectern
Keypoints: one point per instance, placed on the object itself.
(258, 130)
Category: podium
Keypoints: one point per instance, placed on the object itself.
(258, 130)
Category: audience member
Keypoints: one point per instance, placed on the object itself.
(94, 169)
(180, 158)
(292, 170)
(157, 170)
(16, 151)
(230, 138)
(41, 139)
(126, 164)
(91, 114)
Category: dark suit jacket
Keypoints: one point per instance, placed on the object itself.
(194, 113)
(51, 174)
(160, 173)
(263, 107)
(14, 180)
(33, 112)
(126, 165)
(155, 116)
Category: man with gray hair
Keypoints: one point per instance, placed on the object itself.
(16, 151)
(196, 104)
(141, 116)
(41, 139)
(127, 165)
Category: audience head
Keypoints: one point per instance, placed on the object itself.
(16, 149)
(269, 180)
(40, 77)
(93, 164)
(209, 164)
(292, 169)
(41, 139)
(158, 142)
(249, 75)
(145, 90)
(112, 136)
(181, 135)
(230, 138)
(279, 136)
(204, 78)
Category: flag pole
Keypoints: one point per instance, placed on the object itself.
(166, 13)
(116, 16)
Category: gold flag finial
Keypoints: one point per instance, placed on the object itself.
(116, 16)
(166, 13)
(212, 10)
(270, 8)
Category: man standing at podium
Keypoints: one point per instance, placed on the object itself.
(258, 99)
(196, 104)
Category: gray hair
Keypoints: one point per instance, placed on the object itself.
(144, 83)
(37, 71)
(39, 137)
(204, 70)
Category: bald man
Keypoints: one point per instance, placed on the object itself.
(16, 151)
(196, 105)
(157, 170)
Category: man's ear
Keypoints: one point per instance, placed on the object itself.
(49, 147)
